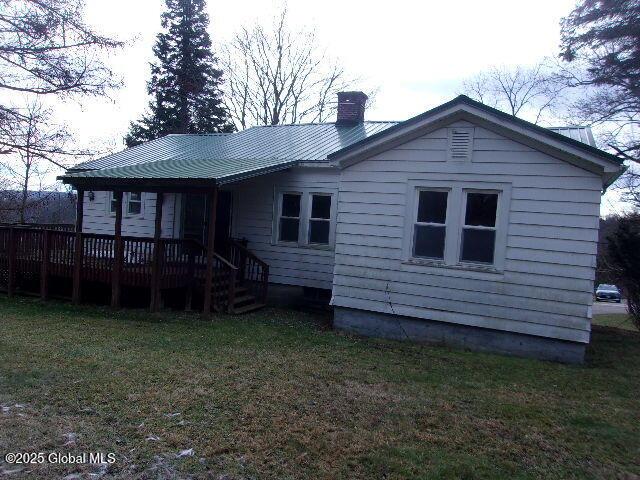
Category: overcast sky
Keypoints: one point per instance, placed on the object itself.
(415, 52)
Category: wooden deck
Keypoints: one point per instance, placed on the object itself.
(31, 255)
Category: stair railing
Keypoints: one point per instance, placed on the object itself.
(253, 273)
(225, 274)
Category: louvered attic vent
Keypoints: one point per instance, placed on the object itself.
(460, 143)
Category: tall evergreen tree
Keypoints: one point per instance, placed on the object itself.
(185, 81)
(605, 36)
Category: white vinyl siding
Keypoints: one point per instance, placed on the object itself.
(542, 278)
(256, 213)
(98, 216)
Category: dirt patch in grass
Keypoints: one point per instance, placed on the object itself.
(278, 395)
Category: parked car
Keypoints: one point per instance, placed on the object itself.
(608, 292)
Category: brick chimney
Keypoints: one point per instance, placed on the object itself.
(351, 107)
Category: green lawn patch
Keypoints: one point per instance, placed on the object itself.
(278, 394)
(616, 320)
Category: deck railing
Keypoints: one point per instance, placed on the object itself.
(28, 253)
(64, 227)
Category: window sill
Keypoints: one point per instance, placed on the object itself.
(309, 246)
(471, 267)
(128, 215)
(317, 246)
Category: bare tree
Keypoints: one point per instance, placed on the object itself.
(41, 145)
(276, 75)
(46, 49)
(629, 186)
(531, 93)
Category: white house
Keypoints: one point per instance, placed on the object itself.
(462, 225)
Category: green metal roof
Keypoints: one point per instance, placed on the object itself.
(225, 157)
(202, 160)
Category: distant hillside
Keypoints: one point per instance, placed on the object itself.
(42, 207)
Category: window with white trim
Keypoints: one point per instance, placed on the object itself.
(457, 224)
(479, 227)
(131, 201)
(134, 203)
(320, 219)
(304, 216)
(112, 203)
(429, 233)
(289, 221)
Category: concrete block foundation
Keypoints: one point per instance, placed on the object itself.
(384, 325)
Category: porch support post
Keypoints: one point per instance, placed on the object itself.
(157, 256)
(208, 285)
(11, 262)
(44, 266)
(77, 252)
(118, 252)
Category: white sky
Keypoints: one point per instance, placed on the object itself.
(415, 52)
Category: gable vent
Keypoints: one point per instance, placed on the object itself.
(460, 143)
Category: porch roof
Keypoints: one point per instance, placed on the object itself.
(220, 158)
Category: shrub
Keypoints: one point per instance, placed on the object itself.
(624, 251)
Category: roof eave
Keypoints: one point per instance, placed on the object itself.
(108, 183)
(138, 184)
(257, 172)
(610, 177)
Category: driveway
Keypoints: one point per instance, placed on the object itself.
(608, 308)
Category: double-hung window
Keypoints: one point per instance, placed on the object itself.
(112, 203)
(430, 228)
(479, 227)
(289, 221)
(304, 217)
(134, 203)
(320, 219)
(457, 224)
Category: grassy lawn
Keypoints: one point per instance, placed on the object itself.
(617, 320)
(277, 394)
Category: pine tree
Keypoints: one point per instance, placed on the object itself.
(604, 36)
(185, 81)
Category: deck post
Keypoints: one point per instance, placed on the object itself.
(157, 255)
(118, 252)
(213, 204)
(44, 266)
(77, 252)
(231, 294)
(190, 281)
(11, 263)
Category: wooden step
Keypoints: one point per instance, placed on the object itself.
(248, 308)
(239, 300)
(225, 291)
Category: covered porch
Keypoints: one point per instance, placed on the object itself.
(221, 271)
